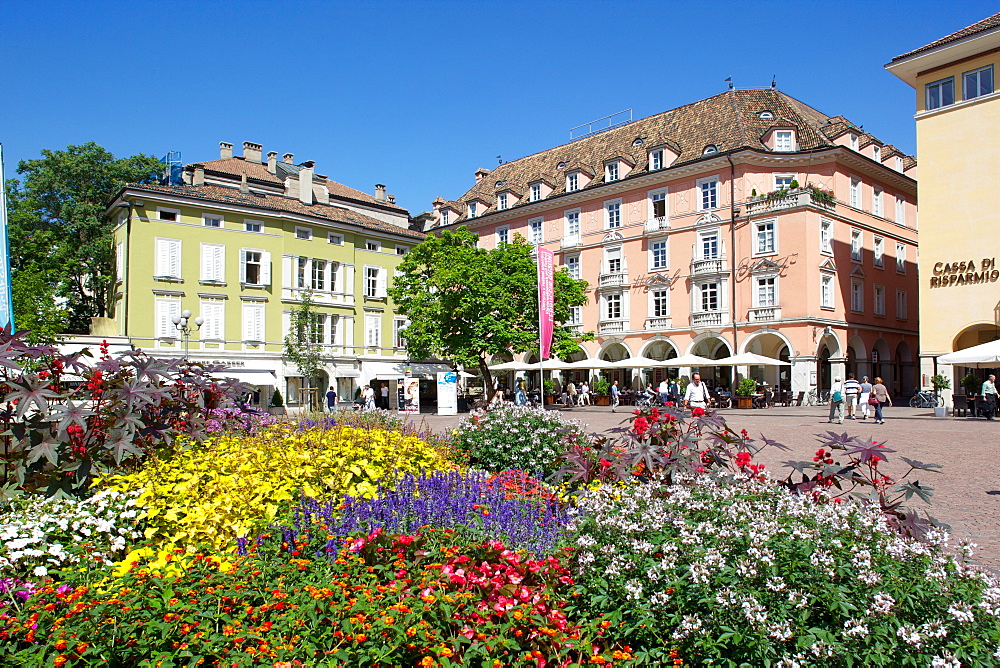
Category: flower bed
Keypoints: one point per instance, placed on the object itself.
(516, 437)
(233, 486)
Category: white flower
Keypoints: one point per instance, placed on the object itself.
(40, 571)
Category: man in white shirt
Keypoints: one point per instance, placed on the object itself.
(852, 390)
(584, 394)
(664, 391)
(696, 395)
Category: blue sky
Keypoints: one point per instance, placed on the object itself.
(417, 95)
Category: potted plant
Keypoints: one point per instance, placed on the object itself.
(601, 388)
(551, 387)
(972, 386)
(744, 392)
(940, 383)
(277, 406)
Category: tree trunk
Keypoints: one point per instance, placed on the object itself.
(487, 378)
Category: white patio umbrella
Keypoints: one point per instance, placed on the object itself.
(642, 363)
(691, 360)
(983, 356)
(592, 363)
(552, 365)
(513, 366)
(748, 359)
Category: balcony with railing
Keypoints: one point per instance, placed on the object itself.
(611, 327)
(656, 223)
(576, 329)
(790, 199)
(704, 263)
(570, 241)
(612, 279)
(708, 319)
(765, 314)
(659, 322)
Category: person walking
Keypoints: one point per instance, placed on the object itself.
(615, 396)
(697, 394)
(331, 399)
(385, 396)
(881, 393)
(584, 394)
(852, 391)
(674, 392)
(863, 398)
(520, 396)
(369, 396)
(989, 392)
(571, 388)
(664, 391)
(837, 401)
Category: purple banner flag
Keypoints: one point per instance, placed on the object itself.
(546, 301)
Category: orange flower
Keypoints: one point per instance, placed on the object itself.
(81, 647)
(60, 660)
(427, 662)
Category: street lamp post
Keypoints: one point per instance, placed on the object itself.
(181, 323)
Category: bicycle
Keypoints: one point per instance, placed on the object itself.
(926, 399)
(816, 398)
(644, 403)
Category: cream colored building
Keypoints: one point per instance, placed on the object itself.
(958, 141)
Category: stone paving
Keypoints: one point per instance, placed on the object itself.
(966, 492)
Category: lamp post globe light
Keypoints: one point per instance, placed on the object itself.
(181, 322)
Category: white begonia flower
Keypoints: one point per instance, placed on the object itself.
(40, 571)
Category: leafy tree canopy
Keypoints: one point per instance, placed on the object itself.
(58, 224)
(468, 304)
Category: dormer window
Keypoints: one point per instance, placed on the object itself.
(561, 165)
(710, 149)
(878, 153)
(473, 208)
(611, 171)
(854, 142)
(572, 182)
(535, 192)
(899, 164)
(656, 159)
(638, 141)
(445, 216)
(765, 115)
(500, 184)
(784, 141)
(502, 201)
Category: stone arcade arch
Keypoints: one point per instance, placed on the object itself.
(614, 351)
(769, 343)
(660, 349)
(714, 348)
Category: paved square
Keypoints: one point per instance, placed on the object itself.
(966, 492)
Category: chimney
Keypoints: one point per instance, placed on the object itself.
(321, 193)
(186, 175)
(244, 188)
(438, 201)
(199, 175)
(305, 182)
(272, 162)
(481, 174)
(251, 152)
(392, 199)
(379, 192)
(288, 158)
(225, 150)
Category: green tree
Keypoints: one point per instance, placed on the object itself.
(304, 338)
(468, 304)
(37, 308)
(59, 226)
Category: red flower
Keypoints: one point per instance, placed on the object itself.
(743, 459)
(640, 426)
(697, 411)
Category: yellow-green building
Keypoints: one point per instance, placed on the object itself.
(238, 243)
(958, 143)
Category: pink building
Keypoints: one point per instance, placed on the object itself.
(747, 221)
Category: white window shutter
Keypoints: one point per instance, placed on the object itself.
(286, 324)
(349, 279)
(243, 265)
(162, 258)
(248, 325)
(381, 283)
(265, 268)
(287, 262)
(207, 262)
(219, 263)
(175, 258)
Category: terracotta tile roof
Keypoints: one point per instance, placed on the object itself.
(237, 166)
(729, 121)
(346, 192)
(986, 24)
(274, 202)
